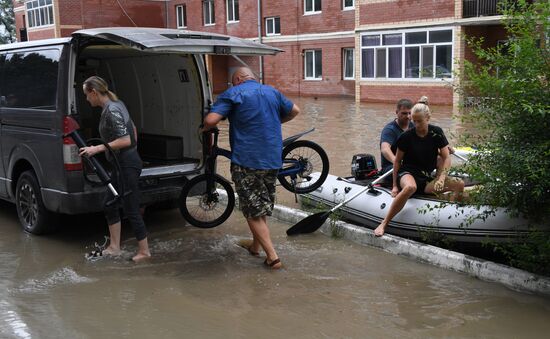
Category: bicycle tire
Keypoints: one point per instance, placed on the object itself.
(315, 156)
(202, 209)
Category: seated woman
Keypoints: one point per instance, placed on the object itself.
(416, 158)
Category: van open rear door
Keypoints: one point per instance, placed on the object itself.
(177, 41)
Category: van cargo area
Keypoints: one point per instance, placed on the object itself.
(163, 94)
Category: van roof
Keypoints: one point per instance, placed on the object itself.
(177, 40)
(161, 40)
(35, 43)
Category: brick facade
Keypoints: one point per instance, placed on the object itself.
(330, 30)
(380, 92)
(72, 15)
(383, 12)
(286, 70)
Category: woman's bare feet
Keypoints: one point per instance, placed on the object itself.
(111, 251)
(379, 231)
(143, 252)
(139, 257)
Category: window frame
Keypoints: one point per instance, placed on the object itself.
(314, 51)
(211, 12)
(344, 63)
(273, 18)
(36, 17)
(403, 45)
(234, 5)
(313, 11)
(348, 8)
(183, 9)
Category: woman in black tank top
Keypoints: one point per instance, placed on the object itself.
(416, 158)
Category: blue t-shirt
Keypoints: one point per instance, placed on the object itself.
(254, 112)
(390, 134)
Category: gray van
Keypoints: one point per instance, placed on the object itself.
(160, 75)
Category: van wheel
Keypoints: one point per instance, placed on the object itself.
(32, 214)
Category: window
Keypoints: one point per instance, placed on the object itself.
(232, 10)
(312, 6)
(313, 64)
(348, 4)
(33, 79)
(208, 12)
(407, 54)
(181, 16)
(273, 26)
(39, 13)
(348, 62)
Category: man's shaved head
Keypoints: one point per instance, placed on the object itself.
(242, 74)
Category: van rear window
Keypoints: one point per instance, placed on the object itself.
(29, 79)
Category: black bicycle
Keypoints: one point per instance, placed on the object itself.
(208, 199)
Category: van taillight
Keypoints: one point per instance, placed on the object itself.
(71, 159)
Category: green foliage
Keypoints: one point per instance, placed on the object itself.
(509, 114)
(532, 253)
(7, 22)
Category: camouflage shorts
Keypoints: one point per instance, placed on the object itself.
(256, 190)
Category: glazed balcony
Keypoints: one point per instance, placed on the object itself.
(478, 8)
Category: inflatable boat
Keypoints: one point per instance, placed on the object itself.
(423, 215)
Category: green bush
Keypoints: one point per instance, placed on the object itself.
(508, 109)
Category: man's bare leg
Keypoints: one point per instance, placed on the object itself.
(260, 232)
(114, 240)
(409, 187)
(452, 184)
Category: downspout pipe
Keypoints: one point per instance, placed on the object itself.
(260, 40)
(166, 13)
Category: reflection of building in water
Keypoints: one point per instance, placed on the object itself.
(373, 50)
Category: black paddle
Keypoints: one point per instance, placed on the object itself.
(313, 222)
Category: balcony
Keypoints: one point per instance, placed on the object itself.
(477, 8)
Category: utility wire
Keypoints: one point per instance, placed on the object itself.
(125, 13)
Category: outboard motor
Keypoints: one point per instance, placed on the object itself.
(363, 166)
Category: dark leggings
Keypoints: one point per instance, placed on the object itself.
(129, 202)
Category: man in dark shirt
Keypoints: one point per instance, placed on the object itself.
(392, 131)
(255, 114)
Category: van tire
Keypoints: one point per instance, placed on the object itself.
(33, 215)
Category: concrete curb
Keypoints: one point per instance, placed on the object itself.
(485, 270)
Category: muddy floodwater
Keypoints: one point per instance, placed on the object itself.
(200, 284)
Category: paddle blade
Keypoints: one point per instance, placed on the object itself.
(309, 224)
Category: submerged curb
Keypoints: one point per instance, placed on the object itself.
(485, 270)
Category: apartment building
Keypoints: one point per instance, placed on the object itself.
(43, 19)
(373, 50)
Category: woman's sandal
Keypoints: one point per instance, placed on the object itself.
(273, 265)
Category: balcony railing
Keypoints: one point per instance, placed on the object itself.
(477, 8)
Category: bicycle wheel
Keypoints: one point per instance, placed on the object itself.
(309, 157)
(203, 208)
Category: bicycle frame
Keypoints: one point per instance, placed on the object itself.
(290, 168)
(208, 199)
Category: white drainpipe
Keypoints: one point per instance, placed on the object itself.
(260, 40)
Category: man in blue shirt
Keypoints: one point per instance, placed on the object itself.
(255, 114)
(392, 131)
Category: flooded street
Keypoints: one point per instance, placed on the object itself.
(201, 284)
